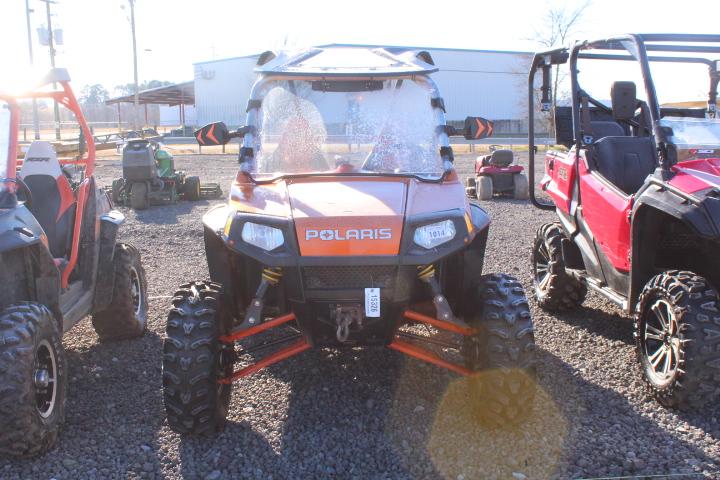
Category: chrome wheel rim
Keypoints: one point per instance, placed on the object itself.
(136, 291)
(542, 267)
(661, 341)
(45, 379)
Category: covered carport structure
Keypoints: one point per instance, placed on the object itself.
(177, 95)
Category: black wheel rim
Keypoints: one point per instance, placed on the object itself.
(660, 341)
(542, 267)
(136, 291)
(45, 379)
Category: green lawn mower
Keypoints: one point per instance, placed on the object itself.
(150, 178)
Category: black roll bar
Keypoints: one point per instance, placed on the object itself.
(637, 45)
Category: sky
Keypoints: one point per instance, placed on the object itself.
(172, 34)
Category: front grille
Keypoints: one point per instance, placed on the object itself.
(380, 276)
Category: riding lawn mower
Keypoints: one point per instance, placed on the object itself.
(150, 178)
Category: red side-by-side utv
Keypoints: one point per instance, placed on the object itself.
(637, 197)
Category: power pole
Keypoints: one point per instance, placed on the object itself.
(135, 63)
(51, 43)
(36, 121)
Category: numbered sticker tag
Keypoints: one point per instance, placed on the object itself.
(372, 302)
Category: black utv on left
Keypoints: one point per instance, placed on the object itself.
(59, 262)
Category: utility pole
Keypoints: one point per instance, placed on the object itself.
(52, 64)
(135, 63)
(36, 121)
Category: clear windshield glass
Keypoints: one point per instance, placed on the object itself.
(4, 138)
(383, 131)
(694, 137)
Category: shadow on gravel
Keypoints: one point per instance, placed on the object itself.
(502, 199)
(114, 388)
(374, 413)
(612, 326)
(168, 214)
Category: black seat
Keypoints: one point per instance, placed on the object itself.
(53, 200)
(607, 128)
(625, 161)
(498, 158)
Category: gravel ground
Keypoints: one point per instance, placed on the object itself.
(367, 413)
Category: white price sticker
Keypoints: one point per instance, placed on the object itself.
(437, 232)
(372, 302)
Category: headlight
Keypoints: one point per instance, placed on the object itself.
(262, 236)
(434, 234)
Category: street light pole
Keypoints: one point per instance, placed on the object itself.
(135, 63)
(52, 64)
(36, 121)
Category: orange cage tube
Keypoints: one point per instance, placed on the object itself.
(258, 328)
(427, 356)
(287, 352)
(437, 323)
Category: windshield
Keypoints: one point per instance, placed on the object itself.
(387, 130)
(4, 138)
(694, 137)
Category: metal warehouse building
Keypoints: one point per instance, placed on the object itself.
(487, 83)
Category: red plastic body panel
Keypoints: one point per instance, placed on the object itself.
(497, 170)
(694, 175)
(607, 213)
(560, 178)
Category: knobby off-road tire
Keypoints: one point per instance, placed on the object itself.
(139, 196)
(191, 190)
(471, 187)
(117, 186)
(484, 188)
(194, 360)
(32, 380)
(521, 189)
(502, 353)
(555, 290)
(126, 315)
(677, 334)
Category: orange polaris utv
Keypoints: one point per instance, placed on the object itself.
(347, 222)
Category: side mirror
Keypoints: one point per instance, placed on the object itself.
(213, 134)
(546, 100)
(477, 128)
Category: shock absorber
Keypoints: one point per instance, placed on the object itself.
(270, 277)
(426, 273)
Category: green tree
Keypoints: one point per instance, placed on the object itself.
(129, 88)
(560, 25)
(93, 95)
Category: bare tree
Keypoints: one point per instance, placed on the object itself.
(559, 26)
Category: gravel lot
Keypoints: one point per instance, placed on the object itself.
(366, 413)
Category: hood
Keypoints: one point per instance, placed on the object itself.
(348, 217)
(695, 175)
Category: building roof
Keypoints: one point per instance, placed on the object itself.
(387, 47)
(179, 93)
(339, 61)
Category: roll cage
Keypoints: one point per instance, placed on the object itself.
(64, 96)
(62, 93)
(266, 82)
(635, 48)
